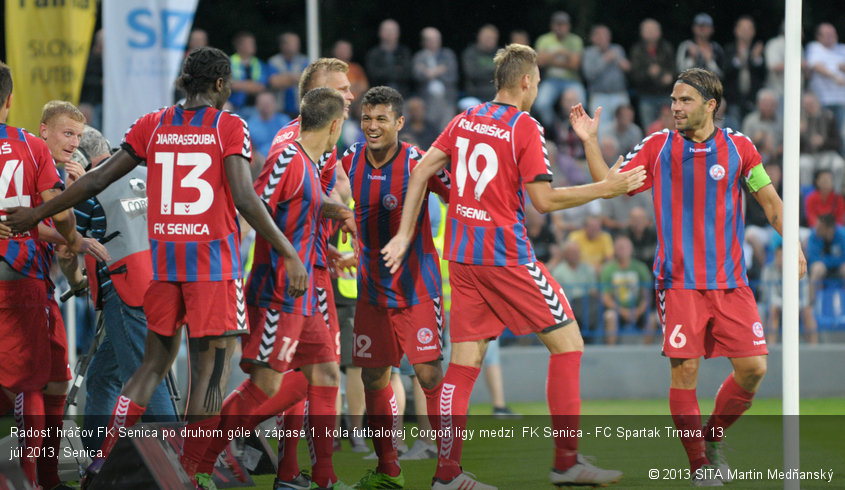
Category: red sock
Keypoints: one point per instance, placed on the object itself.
(321, 414)
(48, 466)
(288, 424)
(432, 405)
(126, 413)
(687, 417)
(454, 402)
(383, 416)
(29, 416)
(293, 390)
(564, 397)
(195, 445)
(731, 401)
(240, 411)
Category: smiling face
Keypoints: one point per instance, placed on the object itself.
(689, 109)
(380, 126)
(340, 82)
(62, 137)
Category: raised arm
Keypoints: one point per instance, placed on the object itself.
(546, 198)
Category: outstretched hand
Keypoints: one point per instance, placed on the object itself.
(585, 127)
(19, 219)
(623, 182)
(394, 252)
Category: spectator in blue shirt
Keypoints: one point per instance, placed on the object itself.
(266, 121)
(826, 251)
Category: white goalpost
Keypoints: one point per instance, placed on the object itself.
(790, 339)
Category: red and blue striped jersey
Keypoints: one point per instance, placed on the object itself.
(379, 194)
(191, 217)
(26, 170)
(697, 206)
(495, 149)
(327, 167)
(295, 196)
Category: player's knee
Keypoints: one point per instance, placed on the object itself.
(375, 378)
(751, 375)
(327, 374)
(429, 376)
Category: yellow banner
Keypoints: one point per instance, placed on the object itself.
(47, 43)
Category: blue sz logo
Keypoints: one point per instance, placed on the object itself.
(169, 27)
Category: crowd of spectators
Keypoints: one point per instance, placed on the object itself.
(593, 248)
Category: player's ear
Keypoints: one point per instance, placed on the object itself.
(400, 123)
(219, 84)
(42, 128)
(8, 102)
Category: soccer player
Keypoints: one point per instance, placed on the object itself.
(497, 153)
(28, 176)
(198, 173)
(331, 73)
(704, 302)
(400, 313)
(286, 332)
(61, 128)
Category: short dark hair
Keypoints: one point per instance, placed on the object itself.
(384, 96)
(705, 82)
(5, 81)
(319, 107)
(201, 69)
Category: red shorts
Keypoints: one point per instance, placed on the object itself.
(381, 335)
(284, 341)
(211, 308)
(24, 334)
(326, 304)
(712, 323)
(486, 298)
(59, 365)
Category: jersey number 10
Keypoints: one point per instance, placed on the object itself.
(481, 178)
(200, 162)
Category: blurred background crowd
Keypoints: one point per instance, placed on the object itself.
(602, 253)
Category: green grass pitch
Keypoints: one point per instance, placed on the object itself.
(517, 462)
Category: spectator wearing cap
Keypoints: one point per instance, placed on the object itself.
(559, 57)
(700, 51)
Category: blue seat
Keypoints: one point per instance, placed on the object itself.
(830, 308)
